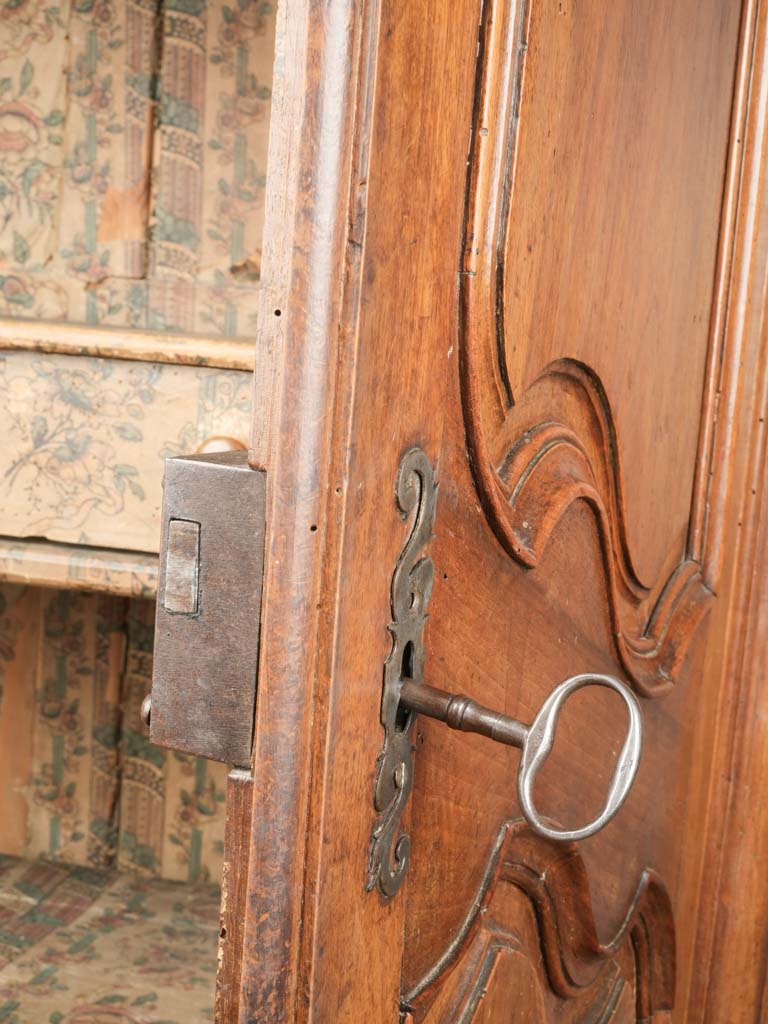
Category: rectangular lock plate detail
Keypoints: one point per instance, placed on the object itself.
(209, 606)
(182, 567)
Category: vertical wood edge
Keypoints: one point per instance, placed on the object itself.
(334, 511)
(234, 882)
(731, 837)
(284, 147)
(315, 115)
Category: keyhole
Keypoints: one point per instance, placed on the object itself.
(406, 667)
(403, 715)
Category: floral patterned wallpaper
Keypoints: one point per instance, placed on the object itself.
(133, 145)
(85, 440)
(82, 784)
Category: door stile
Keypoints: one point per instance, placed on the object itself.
(239, 804)
(313, 239)
(726, 902)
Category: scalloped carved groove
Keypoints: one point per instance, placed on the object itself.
(554, 462)
(561, 948)
(535, 454)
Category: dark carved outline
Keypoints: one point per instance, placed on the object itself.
(412, 580)
(550, 463)
(553, 877)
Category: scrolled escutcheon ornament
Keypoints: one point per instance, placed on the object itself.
(416, 494)
(405, 695)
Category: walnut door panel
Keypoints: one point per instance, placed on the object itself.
(593, 370)
(594, 367)
(611, 207)
(520, 954)
(521, 251)
(598, 164)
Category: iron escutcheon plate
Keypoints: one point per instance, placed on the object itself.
(416, 496)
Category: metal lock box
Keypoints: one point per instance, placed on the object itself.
(209, 606)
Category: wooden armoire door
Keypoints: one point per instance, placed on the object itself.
(514, 266)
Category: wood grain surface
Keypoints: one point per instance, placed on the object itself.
(629, 222)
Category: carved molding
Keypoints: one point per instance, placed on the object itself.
(577, 965)
(563, 449)
(533, 456)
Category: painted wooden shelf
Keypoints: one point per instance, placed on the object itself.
(113, 343)
(47, 564)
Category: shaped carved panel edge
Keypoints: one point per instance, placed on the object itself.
(575, 965)
(560, 446)
(564, 450)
